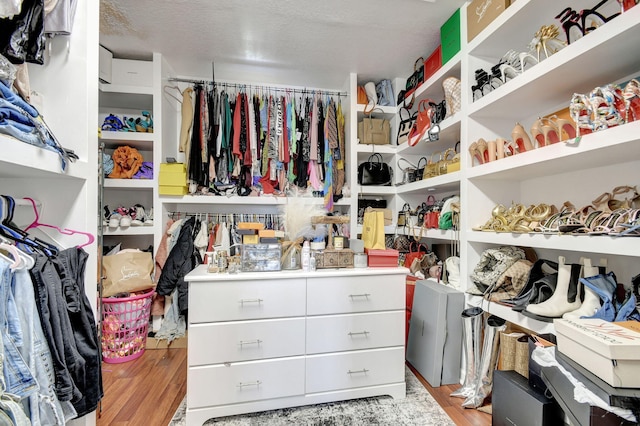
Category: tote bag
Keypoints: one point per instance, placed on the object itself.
(373, 230)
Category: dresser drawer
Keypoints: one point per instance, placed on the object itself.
(245, 300)
(355, 294)
(243, 382)
(354, 369)
(245, 340)
(354, 331)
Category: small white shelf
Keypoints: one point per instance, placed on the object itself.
(389, 229)
(617, 246)
(376, 190)
(447, 182)
(139, 140)
(612, 146)
(21, 160)
(388, 112)
(124, 89)
(433, 234)
(376, 149)
(131, 230)
(432, 87)
(129, 183)
(505, 312)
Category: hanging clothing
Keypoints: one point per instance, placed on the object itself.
(187, 119)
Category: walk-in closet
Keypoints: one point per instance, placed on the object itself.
(339, 213)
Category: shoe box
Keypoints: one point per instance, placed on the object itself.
(172, 179)
(578, 413)
(514, 402)
(434, 347)
(608, 350)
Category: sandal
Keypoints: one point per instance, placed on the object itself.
(631, 96)
(112, 123)
(129, 124)
(581, 111)
(627, 203)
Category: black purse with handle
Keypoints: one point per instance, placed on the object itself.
(375, 172)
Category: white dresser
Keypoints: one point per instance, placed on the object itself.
(261, 341)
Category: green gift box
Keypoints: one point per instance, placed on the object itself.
(450, 37)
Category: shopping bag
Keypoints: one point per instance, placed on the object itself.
(126, 272)
(373, 230)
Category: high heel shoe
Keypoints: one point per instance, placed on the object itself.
(526, 59)
(508, 72)
(614, 204)
(492, 150)
(631, 96)
(576, 22)
(475, 154)
(536, 133)
(521, 138)
(500, 148)
(479, 89)
(581, 111)
(605, 113)
(483, 150)
(566, 128)
(546, 40)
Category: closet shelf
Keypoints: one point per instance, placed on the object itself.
(447, 182)
(237, 200)
(387, 111)
(375, 190)
(617, 246)
(132, 230)
(138, 140)
(432, 88)
(612, 146)
(554, 80)
(510, 315)
(376, 149)
(129, 183)
(21, 160)
(130, 98)
(124, 89)
(435, 234)
(449, 135)
(389, 229)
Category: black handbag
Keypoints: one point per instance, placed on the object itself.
(405, 126)
(375, 172)
(417, 77)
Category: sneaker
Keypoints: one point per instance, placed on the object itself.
(148, 220)
(125, 217)
(138, 215)
(105, 216)
(114, 219)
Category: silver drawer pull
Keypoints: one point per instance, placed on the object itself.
(366, 333)
(257, 383)
(363, 371)
(366, 295)
(258, 301)
(249, 342)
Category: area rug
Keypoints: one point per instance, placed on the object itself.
(418, 408)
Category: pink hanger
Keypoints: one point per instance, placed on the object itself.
(66, 231)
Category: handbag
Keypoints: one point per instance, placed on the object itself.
(403, 215)
(438, 113)
(387, 215)
(454, 164)
(374, 131)
(405, 125)
(363, 203)
(384, 91)
(432, 215)
(420, 170)
(375, 172)
(408, 172)
(445, 220)
(432, 168)
(416, 251)
(417, 77)
(362, 95)
(452, 94)
(422, 123)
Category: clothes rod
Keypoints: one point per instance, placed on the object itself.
(260, 87)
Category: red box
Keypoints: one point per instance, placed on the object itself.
(387, 258)
(433, 63)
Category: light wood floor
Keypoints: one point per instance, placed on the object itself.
(148, 390)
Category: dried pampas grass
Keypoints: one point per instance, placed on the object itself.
(297, 215)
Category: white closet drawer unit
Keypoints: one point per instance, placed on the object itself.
(243, 382)
(355, 294)
(244, 300)
(245, 340)
(354, 369)
(354, 331)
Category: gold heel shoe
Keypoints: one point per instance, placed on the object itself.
(521, 138)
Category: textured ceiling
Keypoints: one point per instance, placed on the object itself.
(314, 43)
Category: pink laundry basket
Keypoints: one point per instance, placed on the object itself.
(125, 322)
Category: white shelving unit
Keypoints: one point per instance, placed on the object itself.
(129, 101)
(68, 85)
(578, 171)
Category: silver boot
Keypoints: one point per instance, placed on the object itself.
(471, 337)
(490, 351)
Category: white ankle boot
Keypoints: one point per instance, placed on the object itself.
(591, 302)
(565, 298)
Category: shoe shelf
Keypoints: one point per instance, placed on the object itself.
(612, 146)
(606, 55)
(442, 183)
(449, 135)
(129, 183)
(432, 87)
(21, 160)
(137, 140)
(510, 315)
(132, 230)
(618, 246)
(117, 95)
